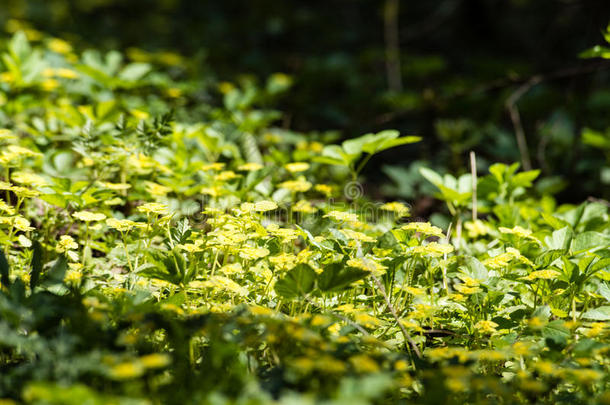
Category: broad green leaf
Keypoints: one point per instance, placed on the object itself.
(476, 269)
(560, 239)
(297, 282)
(337, 276)
(589, 241)
(134, 71)
(432, 176)
(598, 314)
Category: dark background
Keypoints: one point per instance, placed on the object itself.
(460, 60)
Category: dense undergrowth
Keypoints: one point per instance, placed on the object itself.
(160, 247)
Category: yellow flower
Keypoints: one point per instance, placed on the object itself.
(226, 175)
(87, 216)
(297, 167)
(424, 228)
(29, 179)
(367, 264)
(359, 236)
(486, 326)
(154, 208)
(66, 243)
(156, 190)
(123, 225)
(7, 209)
(66, 73)
(476, 228)
(22, 224)
(251, 253)
(127, 370)
(342, 216)
(250, 167)
(364, 364)
(116, 186)
(59, 46)
(155, 360)
(212, 166)
(299, 185)
(366, 320)
(498, 262)
(542, 274)
(399, 208)
(304, 206)
(263, 206)
(433, 249)
(324, 189)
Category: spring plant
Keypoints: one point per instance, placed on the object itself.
(154, 250)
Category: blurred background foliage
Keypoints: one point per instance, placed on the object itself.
(463, 74)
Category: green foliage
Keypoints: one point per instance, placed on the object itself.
(206, 256)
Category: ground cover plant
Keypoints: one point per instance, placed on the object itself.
(166, 240)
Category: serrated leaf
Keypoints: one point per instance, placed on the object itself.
(336, 277)
(297, 282)
(598, 314)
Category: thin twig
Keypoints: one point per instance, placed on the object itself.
(408, 337)
(511, 106)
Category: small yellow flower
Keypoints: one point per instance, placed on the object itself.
(29, 179)
(400, 209)
(212, 166)
(486, 326)
(154, 208)
(59, 46)
(156, 190)
(263, 206)
(542, 275)
(87, 216)
(155, 360)
(476, 228)
(127, 370)
(433, 249)
(297, 167)
(251, 253)
(324, 189)
(66, 243)
(304, 206)
(226, 175)
(250, 167)
(300, 185)
(116, 186)
(364, 364)
(123, 225)
(424, 228)
(342, 216)
(367, 264)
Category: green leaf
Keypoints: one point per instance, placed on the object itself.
(134, 71)
(598, 314)
(336, 277)
(589, 240)
(553, 221)
(544, 260)
(524, 179)
(432, 176)
(297, 282)
(604, 291)
(560, 239)
(476, 269)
